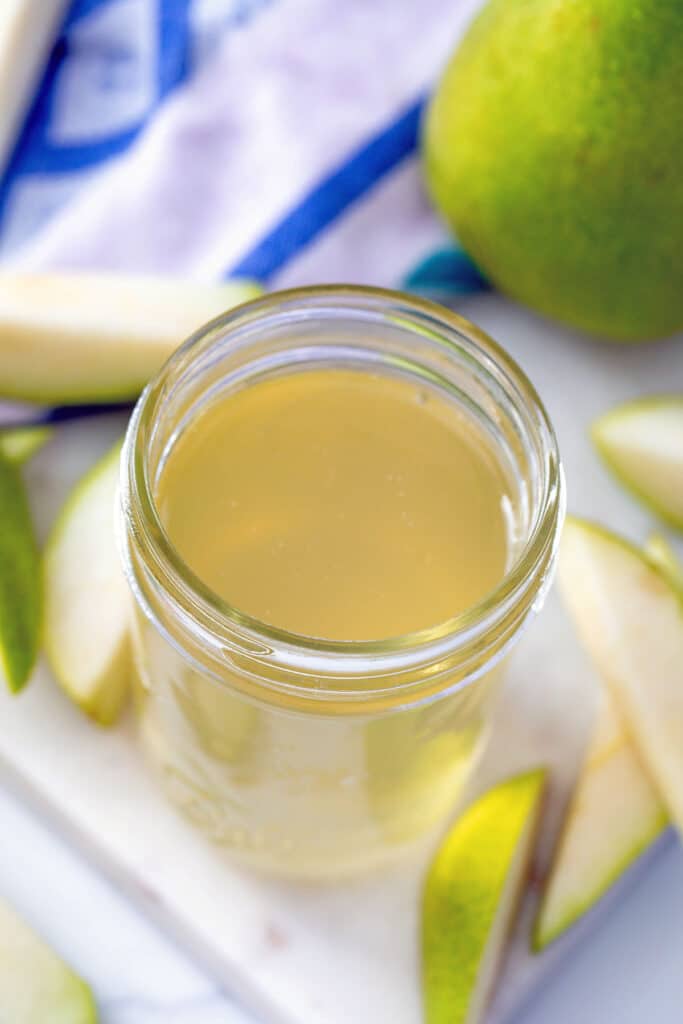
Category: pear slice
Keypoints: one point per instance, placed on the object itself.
(86, 597)
(27, 29)
(36, 987)
(19, 444)
(642, 443)
(630, 618)
(20, 602)
(614, 814)
(470, 897)
(68, 338)
(660, 551)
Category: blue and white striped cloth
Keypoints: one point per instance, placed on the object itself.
(268, 138)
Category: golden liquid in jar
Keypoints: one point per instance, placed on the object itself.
(337, 504)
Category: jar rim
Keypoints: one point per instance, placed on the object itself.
(320, 656)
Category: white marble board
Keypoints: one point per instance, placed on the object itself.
(332, 954)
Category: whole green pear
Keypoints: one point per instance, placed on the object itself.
(554, 148)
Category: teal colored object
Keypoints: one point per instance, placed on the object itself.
(445, 274)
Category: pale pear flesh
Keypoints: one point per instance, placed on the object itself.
(78, 337)
(86, 628)
(629, 616)
(614, 814)
(642, 443)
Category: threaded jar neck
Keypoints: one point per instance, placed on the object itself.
(380, 331)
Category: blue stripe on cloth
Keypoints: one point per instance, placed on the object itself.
(174, 51)
(36, 154)
(65, 414)
(331, 197)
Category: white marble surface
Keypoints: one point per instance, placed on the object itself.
(97, 788)
(137, 975)
(628, 971)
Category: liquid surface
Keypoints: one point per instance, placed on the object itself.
(338, 504)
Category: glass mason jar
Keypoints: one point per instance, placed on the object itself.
(308, 757)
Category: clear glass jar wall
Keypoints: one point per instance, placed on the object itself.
(306, 757)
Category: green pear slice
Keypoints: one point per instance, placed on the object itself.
(20, 599)
(642, 443)
(629, 616)
(36, 987)
(471, 895)
(68, 338)
(614, 814)
(660, 551)
(86, 597)
(615, 811)
(19, 444)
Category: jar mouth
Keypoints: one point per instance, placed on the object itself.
(520, 589)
